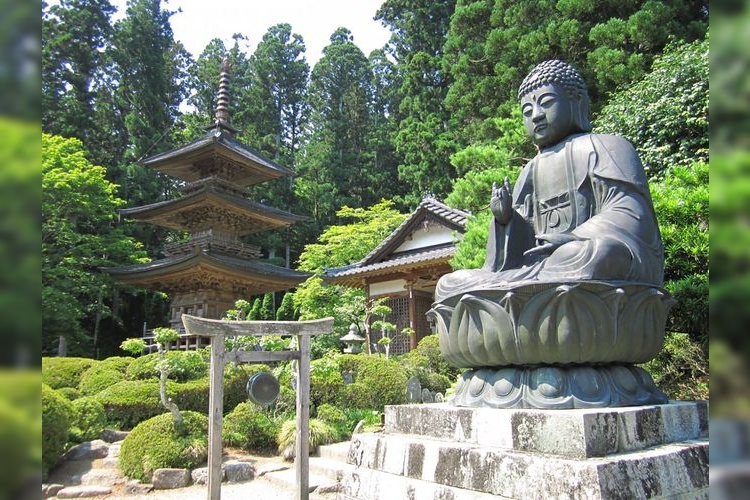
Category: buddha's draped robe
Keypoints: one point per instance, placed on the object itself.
(590, 186)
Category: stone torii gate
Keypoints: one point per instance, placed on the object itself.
(218, 330)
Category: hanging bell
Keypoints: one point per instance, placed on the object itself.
(263, 389)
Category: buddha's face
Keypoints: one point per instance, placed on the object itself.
(547, 114)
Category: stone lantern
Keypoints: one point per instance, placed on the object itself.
(352, 341)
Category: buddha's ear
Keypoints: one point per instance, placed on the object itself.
(580, 112)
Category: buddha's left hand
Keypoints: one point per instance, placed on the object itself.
(549, 242)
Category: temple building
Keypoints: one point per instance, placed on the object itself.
(405, 268)
(207, 272)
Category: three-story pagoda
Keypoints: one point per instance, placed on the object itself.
(206, 273)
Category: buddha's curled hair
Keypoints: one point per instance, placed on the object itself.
(554, 71)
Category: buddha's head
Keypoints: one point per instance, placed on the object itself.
(554, 102)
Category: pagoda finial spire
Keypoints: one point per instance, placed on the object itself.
(222, 105)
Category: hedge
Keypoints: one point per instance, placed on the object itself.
(88, 421)
(97, 378)
(64, 372)
(250, 428)
(57, 415)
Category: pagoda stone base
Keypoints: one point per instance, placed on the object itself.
(441, 451)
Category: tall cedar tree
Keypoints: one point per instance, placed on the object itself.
(74, 36)
(334, 169)
(423, 140)
(277, 108)
(492, 44)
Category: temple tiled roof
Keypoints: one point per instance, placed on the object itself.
(384, 260)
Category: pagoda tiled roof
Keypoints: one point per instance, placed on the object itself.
(217, 153)
(182, 271)
(191, 212)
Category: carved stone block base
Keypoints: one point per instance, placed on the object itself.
(557, 387)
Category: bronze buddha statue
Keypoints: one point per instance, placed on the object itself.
(573, 249)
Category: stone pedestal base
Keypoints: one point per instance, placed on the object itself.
(441, 451)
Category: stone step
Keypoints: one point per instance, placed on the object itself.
(335, 451)
(360, 484)
(330, 468)
(672, 469)
(580, 433)
(287, 480)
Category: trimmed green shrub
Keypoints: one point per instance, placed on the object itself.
(130, 402)
(97, 378)
(89, 420)
(385, 380)
(250, 428)
(183, 365)
(70, 393)
(336, 418)
(57, 415)
(119, 363)
(435, 382)
(429, 347)
(320, 433)
(326, 382)
(155, 444)
(64, 372)
(21, 418)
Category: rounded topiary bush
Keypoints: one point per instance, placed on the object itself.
(250, 428)
(97, 378)
(119, 363)
(336, 418)
(57, 415)
(377, 382)
(156, 443)
(64, 372)
(89, 420)
(326, 382)
(70, 393)
(130, 402)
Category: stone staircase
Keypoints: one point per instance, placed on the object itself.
(327, 468)
(89, 470)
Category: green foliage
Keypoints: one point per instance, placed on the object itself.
(681, 368)
(182, 365)
(286, 311)
(119, 363)
(665, 115)
(492, 44)
(337, 419)
(97, 378)
(326, 382)
(472, 193)
(240, 311)
(131, 401)
(377, 381)
(254, 313)
(79, 206)
(89, 420)
(57, 415)
(321, 433)
(165, 336)
(69, 393)
(266, 309)
(133, 346)
(156, 443)
(250, 428)
(348, 243)
(21, 416)
(427, 364)
(64, 372)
